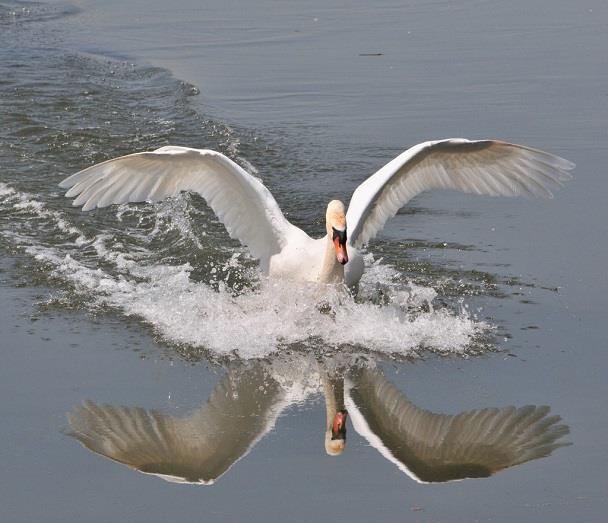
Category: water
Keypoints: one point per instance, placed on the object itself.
(468, 302)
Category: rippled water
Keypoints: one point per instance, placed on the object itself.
(171, 264)
(466, 303)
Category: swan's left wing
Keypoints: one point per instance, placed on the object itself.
(241, 202)
(431, 447)
(488, 167)
(195, 449)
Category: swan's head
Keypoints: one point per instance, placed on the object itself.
(336, 227)
(335, 436)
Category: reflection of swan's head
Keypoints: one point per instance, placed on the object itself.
(335, 435)
(336, 228)
(335, 428)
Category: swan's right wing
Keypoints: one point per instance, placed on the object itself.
(433, 447)
(488, 167)
(241, 202)
(195, 449)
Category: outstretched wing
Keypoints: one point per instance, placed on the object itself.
(488, 167)
(433, 447)
(240, 201)
(195, 449)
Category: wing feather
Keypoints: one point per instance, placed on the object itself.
(240, 201)
(489, 167)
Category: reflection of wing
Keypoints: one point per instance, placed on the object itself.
(197, 449)
(437, 447)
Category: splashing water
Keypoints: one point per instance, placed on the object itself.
(171, 264)
(270, 315)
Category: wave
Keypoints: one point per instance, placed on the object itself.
(13, 12)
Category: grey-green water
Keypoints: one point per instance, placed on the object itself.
(147, 306)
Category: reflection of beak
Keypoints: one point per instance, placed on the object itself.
(339, 238)
(338, 427)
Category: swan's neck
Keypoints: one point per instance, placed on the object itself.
(331, 270)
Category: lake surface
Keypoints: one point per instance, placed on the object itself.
(146, 334)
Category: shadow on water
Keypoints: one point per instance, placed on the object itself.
(246, 403)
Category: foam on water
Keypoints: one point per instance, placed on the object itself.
(252, 323)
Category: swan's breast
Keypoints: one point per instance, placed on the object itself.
(300, 259)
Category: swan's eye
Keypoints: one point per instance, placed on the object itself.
(339, 235)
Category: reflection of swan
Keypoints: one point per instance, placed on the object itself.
(252, 215)
(246, 403)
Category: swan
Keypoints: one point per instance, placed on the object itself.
(428, 447)
(251, 214)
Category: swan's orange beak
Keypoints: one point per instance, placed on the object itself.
(339, 239)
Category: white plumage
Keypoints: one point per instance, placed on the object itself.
(251, 214)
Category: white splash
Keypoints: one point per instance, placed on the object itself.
(256, 322)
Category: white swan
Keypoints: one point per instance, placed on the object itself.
(251, 214)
